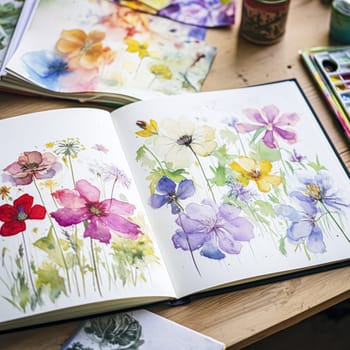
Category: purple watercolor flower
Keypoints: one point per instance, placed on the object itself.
(318, 189)
(213, 229)
(296, 157)
(303, 226)
(202, 13)
(168, 194)
(240, 192)
(102, 217)
(274, 124)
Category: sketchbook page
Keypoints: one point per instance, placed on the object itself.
(24, 17)
(13, 14)
(104, 48)
(239, 184)
(138, 329)
(72, 227)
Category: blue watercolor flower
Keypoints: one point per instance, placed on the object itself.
(318, 189)
(303, 226)
(168, 194)
(213, 229)
(45, 68)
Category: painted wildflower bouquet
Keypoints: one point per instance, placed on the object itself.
(164, 198)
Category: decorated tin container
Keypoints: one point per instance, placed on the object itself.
(264, 21)
(340, 21)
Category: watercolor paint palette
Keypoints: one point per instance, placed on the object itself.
(330, 67)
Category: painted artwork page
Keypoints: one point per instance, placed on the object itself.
(138, 330)
(101, 46)
(72, 227)
(238, 184)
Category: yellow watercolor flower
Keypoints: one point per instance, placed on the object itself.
(148, 129)
(135, 46)
(161, 71)
(50, 145)
(50, 185)
(5, 192)
(259, 172)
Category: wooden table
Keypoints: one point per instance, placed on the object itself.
(242, 317)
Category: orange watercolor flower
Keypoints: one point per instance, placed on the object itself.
(84, 50)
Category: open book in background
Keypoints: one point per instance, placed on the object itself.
(102, 51)
(163, 199)
(140, 329)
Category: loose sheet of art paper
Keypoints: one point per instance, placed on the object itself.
(204, 13)
(241, 184)
(103, 47)
(72, 227)
(10, 11)
(138, 330)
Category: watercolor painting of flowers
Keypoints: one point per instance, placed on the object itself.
(232, 181)
(70, 239)
(104, 47)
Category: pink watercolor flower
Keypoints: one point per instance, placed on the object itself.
(274, 124)
(30, 165)
(83, 205)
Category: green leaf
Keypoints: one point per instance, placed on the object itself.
(48, 244)
(228, 136)
(316, 165)
(265, 208)
(282, 246)
(142, 156)
(48, 275)
(257, 133)
(219, 175)
(262, 152)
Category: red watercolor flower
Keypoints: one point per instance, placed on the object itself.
(14, 216)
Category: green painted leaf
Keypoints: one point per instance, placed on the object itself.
(282, 246)
(48, 275)
(262, 152)
(265, 208)
(48, 244)
(219, 175)
(316, 165)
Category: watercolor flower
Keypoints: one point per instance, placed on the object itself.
(83, 49)
(100, 148)
(32, 165)
(113, 173)
(101, 217)
(131, 21)
(135, 46)
(169, 194)
(46, 67)
(239, 192)
(259, 172)
(296, 157)
(303, 226)
(180, 142)
(14, 216)
(274, 124)
(161, 71)
(318, 189)
(213, 229)
(4, 192)
(202, 13)
(69, 147)
(148, 129)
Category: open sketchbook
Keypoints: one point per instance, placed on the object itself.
(100, 50)
(165, 198)
(138, 330)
